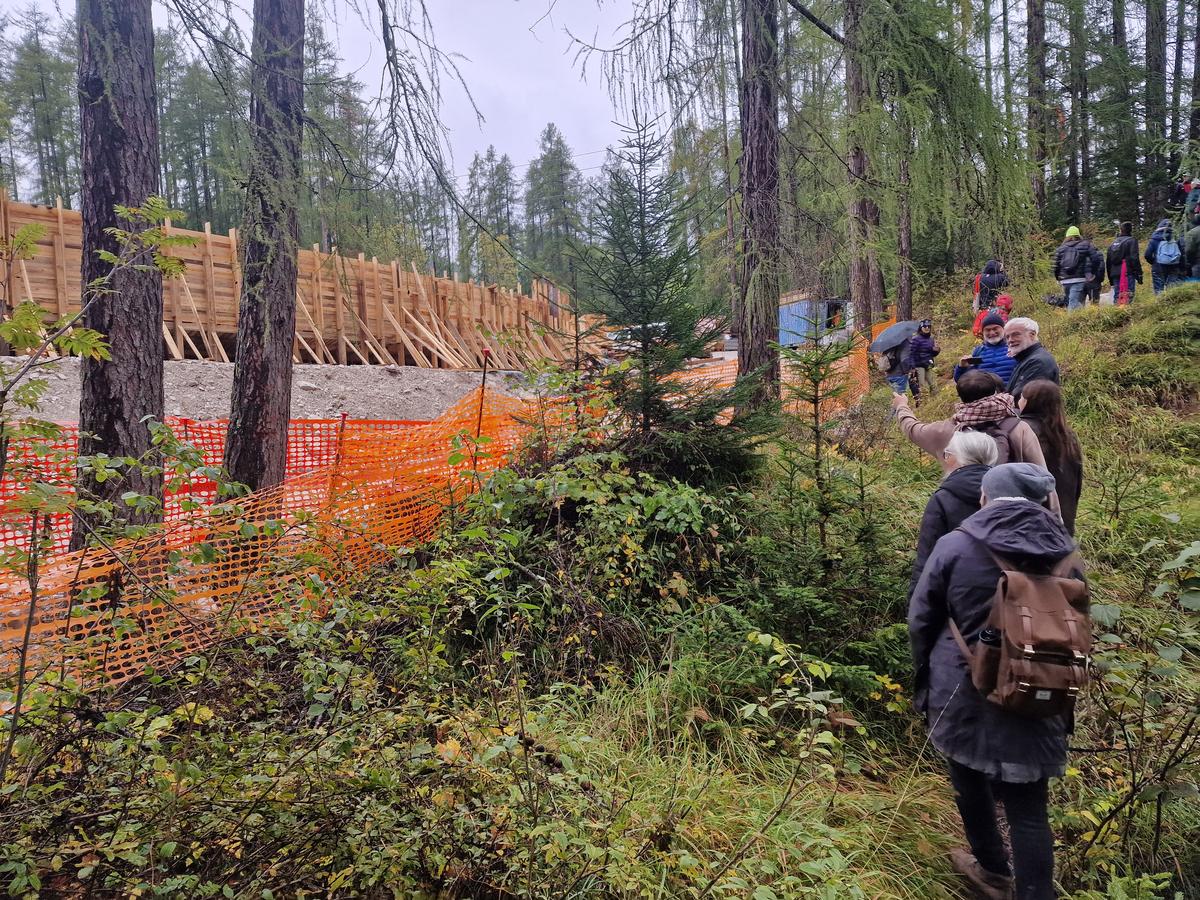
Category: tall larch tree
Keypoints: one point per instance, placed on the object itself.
(1157, 175)
(1035, 63)
(757, 310)
(119, 154)
(256, 447)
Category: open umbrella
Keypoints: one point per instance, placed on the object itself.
(894, 336)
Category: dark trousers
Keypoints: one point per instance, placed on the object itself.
(1028, 824)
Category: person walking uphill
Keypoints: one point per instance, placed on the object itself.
(1191, 249)
(1074, 267)
(993, 752)
(1033, 360)
(1123, 262)
(970, 454)
(983, 407)
(1042, 409)
(922, 348)
(991, 281)
(1165, 257)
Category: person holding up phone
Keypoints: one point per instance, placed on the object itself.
(992, 354)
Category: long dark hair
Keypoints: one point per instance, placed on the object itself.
(1043, 400)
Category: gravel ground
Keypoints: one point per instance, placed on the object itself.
(201, 390)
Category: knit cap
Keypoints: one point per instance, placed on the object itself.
(1073, 231)
(1026, 480)
(992, 318)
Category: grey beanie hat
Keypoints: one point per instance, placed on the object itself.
(1018, 480)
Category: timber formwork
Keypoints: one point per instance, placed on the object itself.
(349, 309)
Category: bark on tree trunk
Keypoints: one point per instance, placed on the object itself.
(119, 155)
(1035, 48)
(1008, 79)
(1077, 64)
(1156, 105)
(256, 447)
(1194, 118)
(1177, 87)
(861, 281)
(757, 314)
(904, 304)
(1126, 156)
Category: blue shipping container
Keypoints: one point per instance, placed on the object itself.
(802, 321)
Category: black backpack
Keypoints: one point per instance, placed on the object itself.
(1000, 432)
(1073, 259)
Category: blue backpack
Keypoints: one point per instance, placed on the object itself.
(1168, 253)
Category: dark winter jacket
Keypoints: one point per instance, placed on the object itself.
(991, 282)
(921, 350)
(959, 581)
(1084, 264)
(1191, 246)
(1123, 249)
(1163, 232)
(956, 498)
(1068, 476)
(1193, 199)
(898, 357)
(1032, 363)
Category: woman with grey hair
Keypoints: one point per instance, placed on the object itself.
(968, 456)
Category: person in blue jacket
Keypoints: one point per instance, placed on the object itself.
(1167, 270)
(993, 352)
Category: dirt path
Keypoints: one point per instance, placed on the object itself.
(201, 390)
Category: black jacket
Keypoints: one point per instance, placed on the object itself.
(1032, 363)
(1084, 266)
(1068, 476)
(960, 580)
(1123, 249)
(991, 282)
(956, 498)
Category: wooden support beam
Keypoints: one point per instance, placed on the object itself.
(60, 260)
(171, 345)
(339, 318)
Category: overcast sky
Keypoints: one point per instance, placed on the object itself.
(516, 59)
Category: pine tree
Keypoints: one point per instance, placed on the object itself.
(553, 190)
(639, 274)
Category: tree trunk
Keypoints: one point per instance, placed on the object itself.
(1194, 118)
(1076, 54)
(987, 50)
(1126, 156)
(1157, 175)
(757, 314)
(904, 305)
(1035, 49)
(1006, 48)
(119, 144)
(256, 447)
(861, 282)
(1177, 87)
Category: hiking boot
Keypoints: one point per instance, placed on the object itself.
(987, 885)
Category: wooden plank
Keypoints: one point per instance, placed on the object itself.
(325, 354)
(455, 360)
(339, 319)
(171, 345)
(60, 261)
(399, 292)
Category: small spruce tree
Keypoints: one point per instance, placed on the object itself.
(638, 273)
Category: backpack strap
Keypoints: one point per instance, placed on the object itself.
(961, 641)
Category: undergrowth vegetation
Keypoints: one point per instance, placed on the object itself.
(603, 682)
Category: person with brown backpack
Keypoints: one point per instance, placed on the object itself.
(1000, 639)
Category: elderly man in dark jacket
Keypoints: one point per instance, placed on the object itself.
(992, 753)
(1033, 360)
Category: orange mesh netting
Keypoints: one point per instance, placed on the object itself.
(235, 567)
(312, 444)
(355, 491)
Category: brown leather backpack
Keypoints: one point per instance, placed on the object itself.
(1039, 664)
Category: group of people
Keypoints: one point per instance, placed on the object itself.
(1007, 503)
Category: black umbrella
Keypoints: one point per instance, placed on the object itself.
(894, 336)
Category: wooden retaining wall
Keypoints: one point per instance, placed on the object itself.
(348, 309)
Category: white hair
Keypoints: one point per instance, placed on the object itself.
(973, 448)
(1024, 322)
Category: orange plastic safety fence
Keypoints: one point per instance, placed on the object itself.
(356, 490)
(312, 444)
(102, 617)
